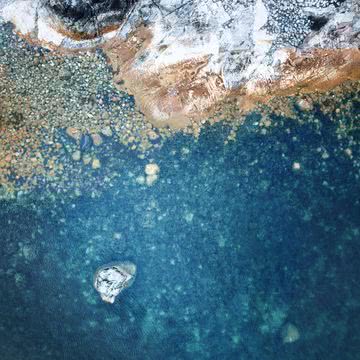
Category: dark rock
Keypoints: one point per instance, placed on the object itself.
(83, 17)
(316, 23)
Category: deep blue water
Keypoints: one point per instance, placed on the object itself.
(230, 244)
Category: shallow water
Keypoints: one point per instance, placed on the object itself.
(231, 244)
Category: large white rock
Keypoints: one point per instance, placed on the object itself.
(111, 279)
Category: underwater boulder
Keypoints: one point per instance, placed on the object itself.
(111, 279)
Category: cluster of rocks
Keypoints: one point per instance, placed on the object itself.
(84, 142)
(57, 110)
(66, 90)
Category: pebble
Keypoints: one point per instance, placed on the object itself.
(140, 180)
(305, 104)
(348, 152)
(77, 192)
(152, 135)
(96, 164)
(76, 156)
(28, 252)
(151, 169)
(97, 139)
(86, 159)
(106, 131)
(267, 123)
(151, 179)
(85, 142)
(296, 166)
(117, 236)
(65, 75)
(73, 133)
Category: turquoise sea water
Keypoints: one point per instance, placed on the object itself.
(231, 244)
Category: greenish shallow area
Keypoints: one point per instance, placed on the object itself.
(232, 243)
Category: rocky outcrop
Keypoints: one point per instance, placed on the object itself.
(111, 279)
(88, 19)
(180, 58)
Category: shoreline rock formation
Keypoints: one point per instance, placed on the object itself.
(182, 58)
(88, 19)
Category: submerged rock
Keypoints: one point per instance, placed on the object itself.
(111, 279)
(76, 155)
(290, 333)
(86, 159)
(96, 139)
(305, 104)
(73, 133)
(151, 171)
(96, 164)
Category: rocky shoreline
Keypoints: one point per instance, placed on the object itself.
(62, 110)
(180, 59)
